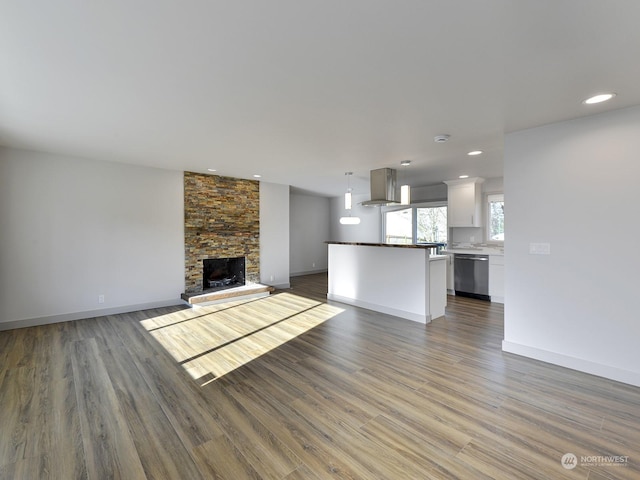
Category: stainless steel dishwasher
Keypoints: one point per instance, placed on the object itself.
(471, 275)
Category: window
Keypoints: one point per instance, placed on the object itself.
(432, 224)
(423, 223)
(495, 227)
(398, 226)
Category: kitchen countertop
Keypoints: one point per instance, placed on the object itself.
(421, 245)
(475, 251)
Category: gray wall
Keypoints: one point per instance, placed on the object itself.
(74, 229)
(430, 193)
(309, 217)
(369, 229)
(274, 234)
(574, 185)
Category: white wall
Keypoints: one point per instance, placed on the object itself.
(467, 234)
(274, 234)
(75, 229)
(575, 185)
(493, 185)
(369, 229)
(309, 230)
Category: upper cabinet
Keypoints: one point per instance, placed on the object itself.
(464, 200)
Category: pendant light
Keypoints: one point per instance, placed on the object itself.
(348, 220)
(405, 190)
(347, 196)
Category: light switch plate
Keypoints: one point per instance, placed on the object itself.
(540, 249)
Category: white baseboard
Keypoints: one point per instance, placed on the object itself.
(586, 366)
(380, 308)
(308, 272)
(66, 317)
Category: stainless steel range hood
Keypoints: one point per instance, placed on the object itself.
(383, 188)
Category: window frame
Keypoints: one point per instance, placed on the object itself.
(414, 217)
(492, 197)
(383, 222)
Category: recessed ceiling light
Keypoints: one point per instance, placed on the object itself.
(257, 176)
(405, 163)
(475, 152)
(603, 97)
(441, 138)
(211, 170)
(463, 176)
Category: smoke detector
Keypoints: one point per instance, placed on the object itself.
(441, 138)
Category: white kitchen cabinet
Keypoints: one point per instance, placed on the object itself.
(496, 278)
(464, 202)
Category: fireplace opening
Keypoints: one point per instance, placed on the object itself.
(221, 273)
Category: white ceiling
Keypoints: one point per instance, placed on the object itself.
(302, 91)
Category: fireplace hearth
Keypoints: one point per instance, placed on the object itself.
(223, 273)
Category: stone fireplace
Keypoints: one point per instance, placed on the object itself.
(221, 220)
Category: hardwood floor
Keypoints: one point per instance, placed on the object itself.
(290, 387)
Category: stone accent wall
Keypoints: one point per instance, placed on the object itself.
(221, 219)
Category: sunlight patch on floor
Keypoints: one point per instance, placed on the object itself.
(168, 319)
(218, 340)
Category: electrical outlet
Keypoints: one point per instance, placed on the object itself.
(100, 298)
(271, 278)
(540, 249)
(313, 264)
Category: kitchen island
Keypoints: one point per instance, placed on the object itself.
(401, 280)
